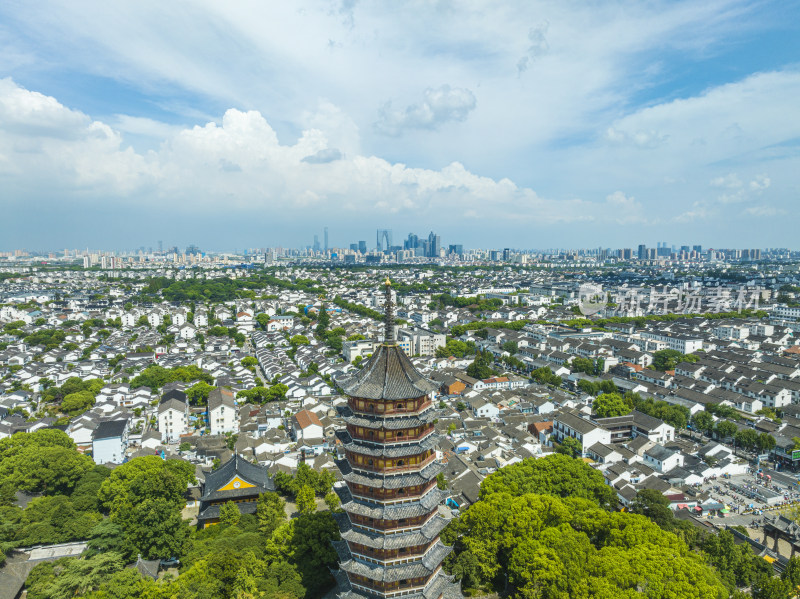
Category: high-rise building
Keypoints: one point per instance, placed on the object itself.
(362, 247)
(326, 238)
(390, 523)
(434, 245)
(353, 247)
(456, 249)
(384, 239)
(642, 255)
(506, 254)
(315, 247)
(411, 243)
(698, 248)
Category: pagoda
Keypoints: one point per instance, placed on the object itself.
(391, 521)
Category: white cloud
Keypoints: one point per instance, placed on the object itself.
(240, 164)
(438, 106)
(760, 183)
(763, 211)
(730, 181)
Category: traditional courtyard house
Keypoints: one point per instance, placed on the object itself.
(237, 480)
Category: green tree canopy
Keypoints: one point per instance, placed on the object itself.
(306, 501)
(553, 475)
(547, 547)
(45, 461)
(229, 514)
(610, 404)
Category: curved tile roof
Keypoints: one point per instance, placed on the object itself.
(389, 374)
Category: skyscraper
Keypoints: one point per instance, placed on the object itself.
(326, 239)
(362, 246)
(434, 245)
(384, 239)
(390, 524)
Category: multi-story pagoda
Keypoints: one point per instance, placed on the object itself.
(390, 527)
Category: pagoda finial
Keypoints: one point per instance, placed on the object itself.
(388, 335)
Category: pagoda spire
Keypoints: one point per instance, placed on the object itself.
(388, 335)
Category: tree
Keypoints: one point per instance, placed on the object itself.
(746, 438)
(571, 447)
(229, 514)
(456, 348)
(481, 366)
(792, 572)
(441, 482)
(655, 506)
(142, 478)
(306, 501)
(703, 421)
(540, 546)
(155, 528)
(725, 429)
(77, 403)
(610, 404)
(298, 340)
(45, 461)
(771, 587)
(553, 475)
(765, 442)
(270, 512)
(667, 359)
(75, 577)
(107, 537)
(198, 393)
(511, 347)
(323, 320)
(249, 361)
(583, 365)
(332, 501)
(545, 376)
(309, 544)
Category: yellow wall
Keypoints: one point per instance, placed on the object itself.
(242, 485)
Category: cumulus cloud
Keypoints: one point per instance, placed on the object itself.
(241, 164)
(625, 210)
(439, 105)
(736, 191)
(760, 183)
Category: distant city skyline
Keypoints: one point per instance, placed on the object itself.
(542, 125)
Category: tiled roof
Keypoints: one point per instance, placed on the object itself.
(389, 374)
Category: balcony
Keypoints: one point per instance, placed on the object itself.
(393, 467)
(381, 436)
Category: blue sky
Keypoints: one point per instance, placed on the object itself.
(524, 124)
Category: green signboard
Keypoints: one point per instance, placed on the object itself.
(796, 454)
